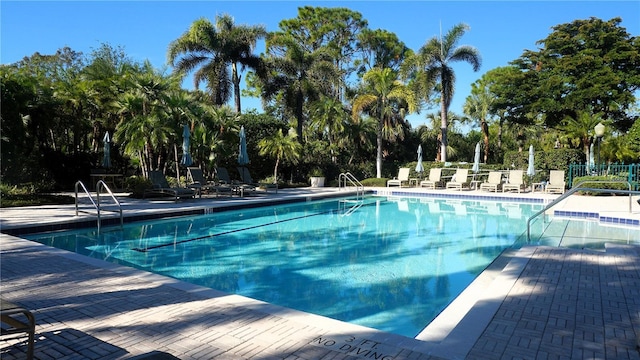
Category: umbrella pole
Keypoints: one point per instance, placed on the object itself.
(175, 152)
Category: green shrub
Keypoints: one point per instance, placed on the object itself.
(608, 182)
(29, 195)
(374, 182)
(556, 159)
(136, 185)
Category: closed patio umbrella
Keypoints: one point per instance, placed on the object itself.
(186, 157)
(243, 157)
(419, 167)
(476, 159)
(106, 158)
(531, 170)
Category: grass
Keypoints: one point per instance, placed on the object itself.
(29, 195)
(18, 200)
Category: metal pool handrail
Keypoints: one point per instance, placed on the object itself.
(580, 188)
(352, 179)
(102, 185)
(99, 186)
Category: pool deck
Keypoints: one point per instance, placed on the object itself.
(536, 302)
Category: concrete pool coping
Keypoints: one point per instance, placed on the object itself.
(449, 336)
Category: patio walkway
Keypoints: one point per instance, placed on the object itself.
(537, 302)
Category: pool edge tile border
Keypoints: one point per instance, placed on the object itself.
(457, 328)
(330, 326)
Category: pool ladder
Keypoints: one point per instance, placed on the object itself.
(97, 205)
(345, 179)
(577, 188)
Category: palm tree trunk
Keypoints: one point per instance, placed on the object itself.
(236, 87)
(443, 130)
(485, 132)
(275, 170)
(500, 134)
(439, 147)
(299, 114)
(143, 164)
(379, 152)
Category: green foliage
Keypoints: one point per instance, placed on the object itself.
(214, 52)
(29, 195)
(384, 98)
(56, 108)
(557, 159)
(35, 200)
(381, 49)
(580, 64)
(377, 182)
(281, 148)
(316, 172)
(433, 65)
(137, 185)
(611, 182)
(632, 139)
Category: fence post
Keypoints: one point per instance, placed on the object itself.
(570, 182)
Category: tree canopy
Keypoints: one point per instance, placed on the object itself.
(586, 64)
(317, 69)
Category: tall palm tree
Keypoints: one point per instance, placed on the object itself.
(280, 147)
(297, 76)
(580, 129)
(215, 49)
(329, 117)
(478, 108)
(145, 127)
(435, 58)
(214, 135)
(359, 136)
(387, 99)
(436, 119)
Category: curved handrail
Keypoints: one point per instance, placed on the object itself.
(354, 181)
(580, 188)
(84, 188)
(100, 185)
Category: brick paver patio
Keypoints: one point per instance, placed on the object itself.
(559, 303)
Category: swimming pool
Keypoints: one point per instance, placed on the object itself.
(390, 263)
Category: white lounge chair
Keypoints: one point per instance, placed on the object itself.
(459, 180)
(493, 182)
(434, 179)
(403, 177)
(515, 182)
(556, 182)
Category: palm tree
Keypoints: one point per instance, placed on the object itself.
(478, 107)
(435, 119)
(434, 59)
(329, 118)
(358, 136)
(281, 147)
(297, 76)
(215, 49)
(145, 128)
(387, 99)
(580, 129)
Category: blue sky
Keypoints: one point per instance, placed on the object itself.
(500, 30)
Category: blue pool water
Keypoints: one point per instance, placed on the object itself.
(387, 263)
